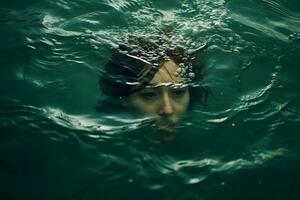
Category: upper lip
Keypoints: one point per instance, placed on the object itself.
(165, 123)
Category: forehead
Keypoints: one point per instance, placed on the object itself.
(166, 74)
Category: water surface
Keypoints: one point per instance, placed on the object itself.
(242, 144)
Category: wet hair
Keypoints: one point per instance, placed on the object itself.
(135, 62)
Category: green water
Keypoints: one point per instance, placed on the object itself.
(242, 144)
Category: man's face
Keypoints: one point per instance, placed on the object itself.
(162, 101)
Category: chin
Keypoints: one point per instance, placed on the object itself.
(166, 129)
(167, 135)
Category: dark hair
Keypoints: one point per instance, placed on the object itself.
(134, 63)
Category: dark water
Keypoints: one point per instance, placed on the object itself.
(243, 144)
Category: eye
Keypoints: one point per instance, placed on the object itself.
(179, 92)
(148, 95)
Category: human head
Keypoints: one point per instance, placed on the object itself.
(154, 78)
(165, 95)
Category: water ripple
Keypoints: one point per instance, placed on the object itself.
(64, 46)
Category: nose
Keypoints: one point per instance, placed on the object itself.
(166, 105)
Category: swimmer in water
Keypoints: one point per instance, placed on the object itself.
(155, 78)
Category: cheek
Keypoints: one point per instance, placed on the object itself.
(183, 103)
